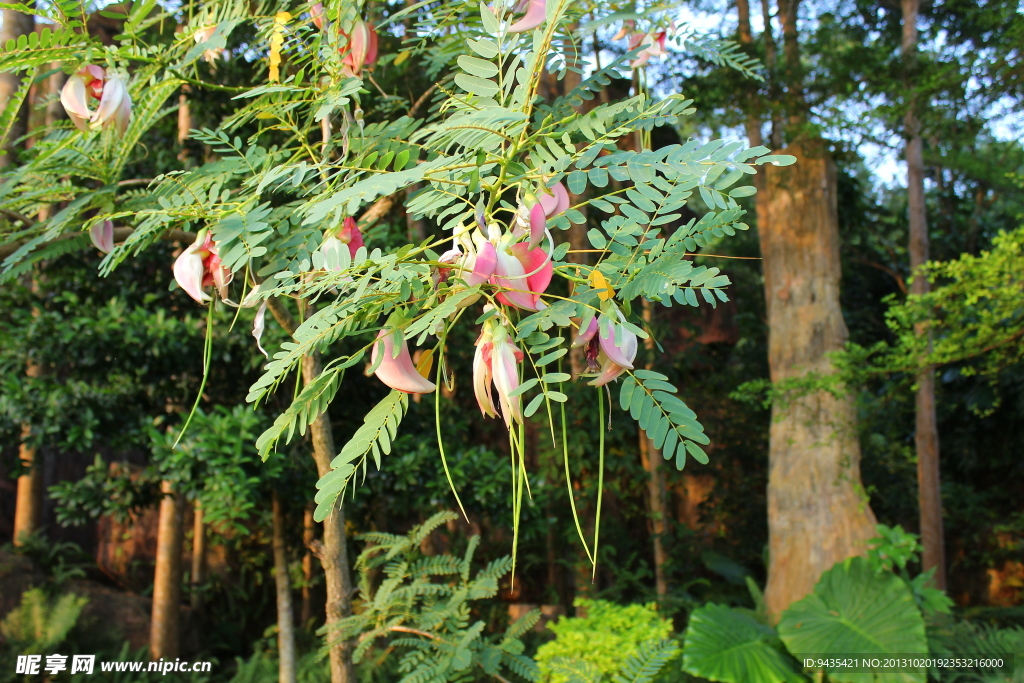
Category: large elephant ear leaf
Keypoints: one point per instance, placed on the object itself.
(725, 644)
(855, 610)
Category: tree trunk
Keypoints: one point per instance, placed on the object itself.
(198, 575)
(926, 433)
(818, 512)
(164, 633)
(770, 60)
(651, 459)
(28, 510)
(285, 617)
(14, 24)
(308, 535)
(333, 553)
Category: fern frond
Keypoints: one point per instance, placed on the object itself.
(643, 666)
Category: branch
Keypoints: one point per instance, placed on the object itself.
(282, 316)
(120, 235)
(377, 210)
(886, 269)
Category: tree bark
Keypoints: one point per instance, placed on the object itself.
(164, 633)
(285, 616)
(926, 433)
(770, 59)
(198, 575)
(818, 513)
(14, 24)
(333, 553)
(28, 510)
(308, 534)
(651, 459)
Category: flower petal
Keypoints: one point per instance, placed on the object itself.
(538, 224)
(622, 354)
(258, 325)
(351, 235)
(556, 202)
(506, 379)
(74, 98)
(536, 13)
(113, 94)
(609, 371)
(509, 274)
(482, 377)
(484, 265)
(188, 271)
(584, 337)
(398, 372)
(538, 268)
(102, 235)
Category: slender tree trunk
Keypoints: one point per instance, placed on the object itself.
(14, 24)
(198, 575)
(818, 512)
(926, 433)
(28, 510)
(651, 459)
(164, 633)
(770, 59)
(333, 553)
(285, 617)
(308, 535)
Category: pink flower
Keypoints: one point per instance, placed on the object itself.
(361, 50)
(102, 235)
(536, 13)
(524, 273)
(494, 363)
(200, 266)
(316, 13)
(654, 45)
(351, 235)
(94, 84)
(396, 370)
(614, 358)
(555, 203)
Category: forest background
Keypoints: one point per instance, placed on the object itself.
(914, 137)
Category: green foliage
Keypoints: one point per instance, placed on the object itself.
(40, 623)
(951, 638)
(641, 667)
(423, 608)
(605, 641)
(891, 551)
(106, 489)
(728, 644)
(854, 609)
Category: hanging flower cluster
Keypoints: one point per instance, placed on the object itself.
(200, 266)
(519, 270)
(94, 84)
(360, 49)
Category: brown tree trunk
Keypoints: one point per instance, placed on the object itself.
(198, 575)
(770, 59)
(12, 25)
(308, 534)
(333, 553)
(926, 433)
(28, 510)
(818, 512)
(164, 633)
(651, 459)
(285, 617)
(752, 121)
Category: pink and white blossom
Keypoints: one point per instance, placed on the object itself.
(396, 369)
(103, 87)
